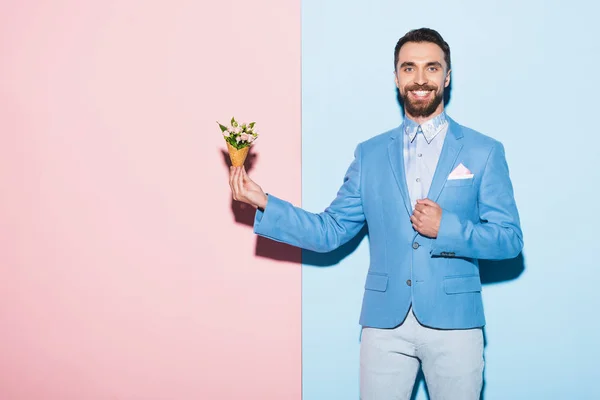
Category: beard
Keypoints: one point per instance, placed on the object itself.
(421, 108)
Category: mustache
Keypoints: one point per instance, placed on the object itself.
(412, 87)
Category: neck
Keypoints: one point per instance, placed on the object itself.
(420, 120)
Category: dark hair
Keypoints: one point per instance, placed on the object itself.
(423, 35)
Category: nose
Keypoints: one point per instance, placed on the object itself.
(420, 77)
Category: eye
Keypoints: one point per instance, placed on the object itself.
(408, 69)
(432, 69)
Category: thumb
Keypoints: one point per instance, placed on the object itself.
(245, 176)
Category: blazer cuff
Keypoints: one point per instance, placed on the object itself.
(449, 235)
(266, 220)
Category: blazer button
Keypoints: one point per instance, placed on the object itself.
(409, 282)
(416, 245)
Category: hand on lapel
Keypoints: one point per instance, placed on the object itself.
(426, 218)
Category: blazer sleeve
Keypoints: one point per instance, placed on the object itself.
(322, 232)
(498, 234)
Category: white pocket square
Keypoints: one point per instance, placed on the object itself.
(460, 172)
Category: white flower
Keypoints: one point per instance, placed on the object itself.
(238, 139)
(226, 134)
(244, 136)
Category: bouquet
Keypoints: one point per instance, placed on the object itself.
(239, 138)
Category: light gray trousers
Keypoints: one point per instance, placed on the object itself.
(452, 362)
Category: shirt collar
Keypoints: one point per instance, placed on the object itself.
(430, 128)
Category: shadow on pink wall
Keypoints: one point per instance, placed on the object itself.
(244, 214)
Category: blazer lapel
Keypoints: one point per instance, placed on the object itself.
(450, 151)
(396, 156)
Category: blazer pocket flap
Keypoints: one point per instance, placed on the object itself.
(462, 284)
(376, 282)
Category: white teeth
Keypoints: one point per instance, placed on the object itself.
(421, 93)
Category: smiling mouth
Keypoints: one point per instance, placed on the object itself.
(420, 94)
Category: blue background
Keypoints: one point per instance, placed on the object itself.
(525, 73)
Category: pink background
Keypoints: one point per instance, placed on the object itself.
(125, 270)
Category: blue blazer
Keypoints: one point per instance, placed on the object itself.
(439, 277)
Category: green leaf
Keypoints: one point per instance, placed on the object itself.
(234, 122)
(223, 127)
(251, 125)
(231, 140)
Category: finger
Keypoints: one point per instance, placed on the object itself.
(416, 220)
(420, 208)
(418, 212)
(234, 190)
(245, 177)
(428, 202)
(231, 171)
(417, 227)
(239, 182)
(232, 183)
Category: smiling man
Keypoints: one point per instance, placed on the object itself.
(437, 197)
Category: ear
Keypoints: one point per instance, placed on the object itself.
(447, 80)
(396, 80)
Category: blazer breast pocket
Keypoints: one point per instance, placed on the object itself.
(459, 182)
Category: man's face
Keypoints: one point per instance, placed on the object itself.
(421, 76)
